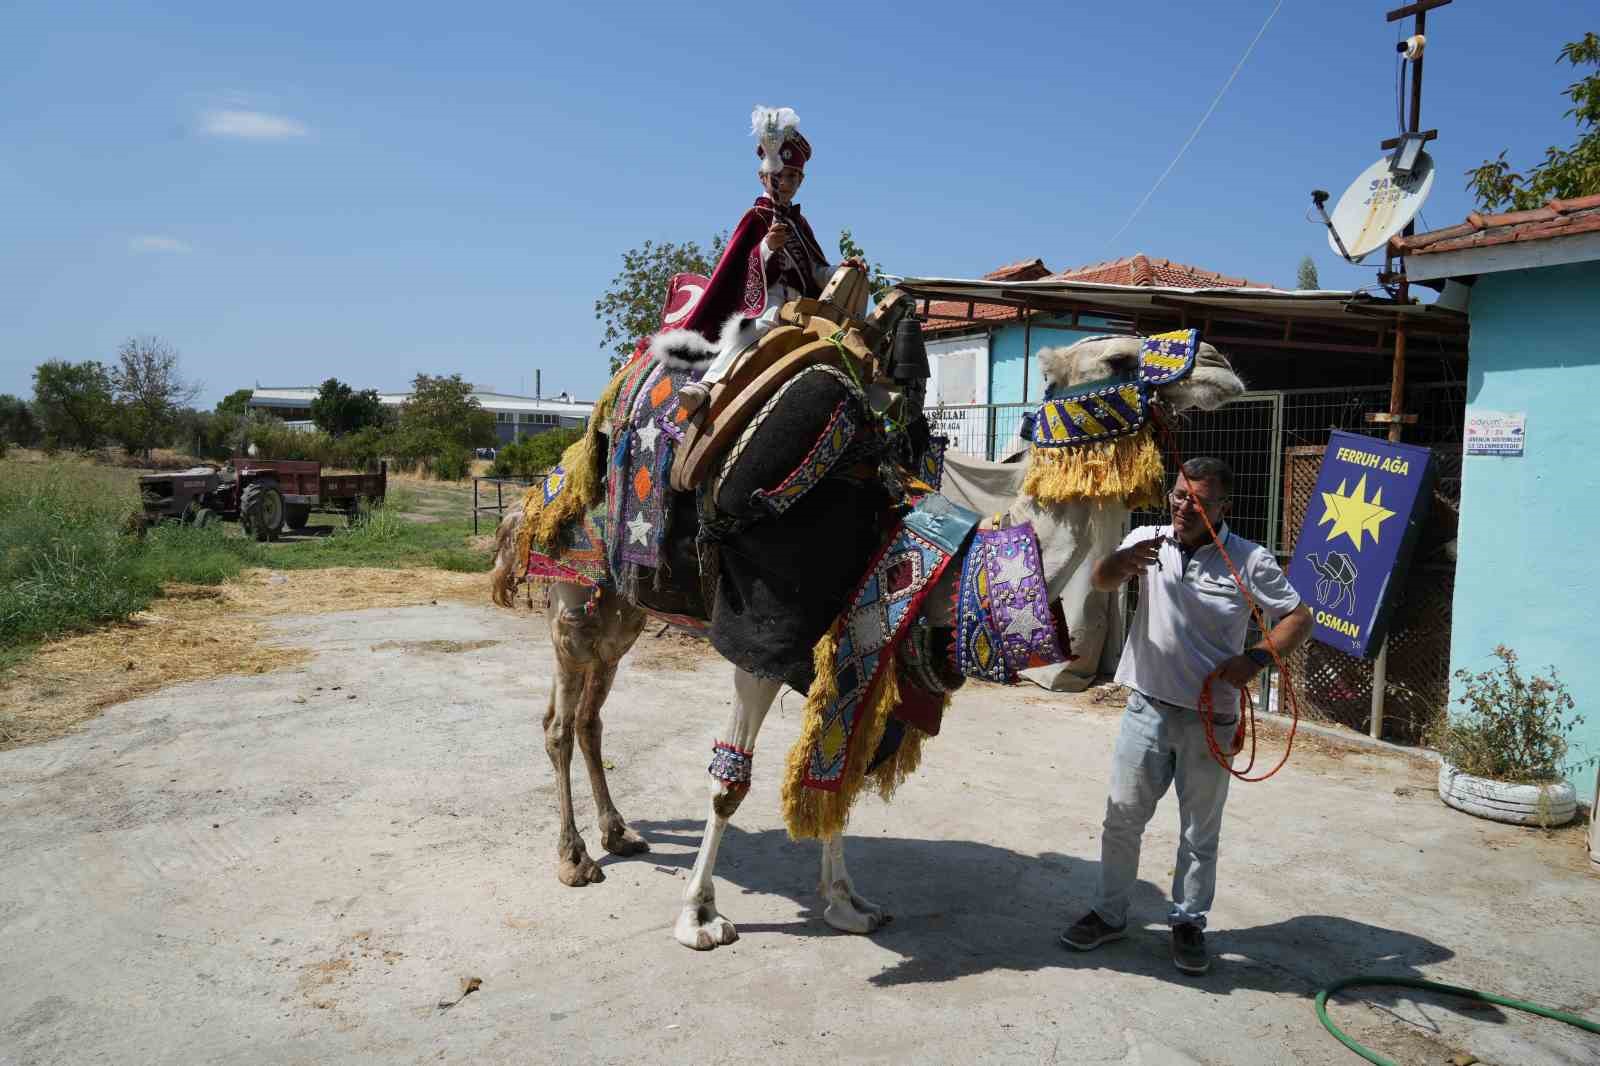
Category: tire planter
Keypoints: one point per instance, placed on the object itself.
(1546, 805)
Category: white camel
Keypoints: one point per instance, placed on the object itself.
(590, 641)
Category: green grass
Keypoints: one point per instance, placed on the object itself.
(67, 562)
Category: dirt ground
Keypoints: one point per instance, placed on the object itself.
(349, 857)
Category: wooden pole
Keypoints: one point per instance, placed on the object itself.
(1397, 377)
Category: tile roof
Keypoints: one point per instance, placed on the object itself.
(1140, 269)
(1558, 218)
(946, 315)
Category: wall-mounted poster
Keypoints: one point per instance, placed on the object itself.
(1496, 432)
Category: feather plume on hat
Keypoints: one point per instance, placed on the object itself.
(772, 126)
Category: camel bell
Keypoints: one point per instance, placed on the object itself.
(908, 359)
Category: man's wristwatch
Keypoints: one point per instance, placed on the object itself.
(1260, 656)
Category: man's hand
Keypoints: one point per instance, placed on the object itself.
(857, 262)
(1125, 563)
(1239, 671)
(1131, 562)
(777, 236)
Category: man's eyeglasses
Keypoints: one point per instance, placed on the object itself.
(1181, 499)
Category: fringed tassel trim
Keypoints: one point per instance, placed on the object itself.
(584, 464)
(532, 502)
(1126, 469)
(813, 813)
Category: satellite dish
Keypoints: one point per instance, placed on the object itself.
(1378, 204)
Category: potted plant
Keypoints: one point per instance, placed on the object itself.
(1502, 756)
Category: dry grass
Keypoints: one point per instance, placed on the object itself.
(198, 632)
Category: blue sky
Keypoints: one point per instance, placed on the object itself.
(291, 191)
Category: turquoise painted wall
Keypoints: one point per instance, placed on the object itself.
(1005, 357)
(1524, 573)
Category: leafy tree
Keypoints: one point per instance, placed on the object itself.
(848, 247)
(1565, 172)
(1307, 276)
(338, 409)
(631, 306)
(72, 402)
(236, 402)
(149, 391)
(443, 410)
(17, 424)
(544, 450)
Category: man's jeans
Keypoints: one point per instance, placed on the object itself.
(1160, 744)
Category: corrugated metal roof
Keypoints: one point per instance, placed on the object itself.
(1330, 305)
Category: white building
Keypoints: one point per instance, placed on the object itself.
(513, 415)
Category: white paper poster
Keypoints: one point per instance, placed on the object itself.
(1495, 432)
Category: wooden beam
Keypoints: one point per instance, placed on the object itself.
(1394, 142)
(1414, 9)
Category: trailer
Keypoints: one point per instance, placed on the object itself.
(263, 495)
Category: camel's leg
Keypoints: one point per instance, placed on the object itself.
(588, 643)
(615, 836)
(699, 925)
(845, 910)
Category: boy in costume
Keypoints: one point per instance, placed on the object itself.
(771, 258)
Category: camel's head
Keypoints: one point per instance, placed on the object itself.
(1211, 384)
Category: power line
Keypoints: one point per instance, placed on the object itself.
(1198, 126)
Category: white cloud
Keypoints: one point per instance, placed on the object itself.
(157, 243)
(250, 125)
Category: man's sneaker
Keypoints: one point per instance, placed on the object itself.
(1189, 949)
(1090, 931)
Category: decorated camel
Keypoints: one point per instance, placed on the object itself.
(811, 549)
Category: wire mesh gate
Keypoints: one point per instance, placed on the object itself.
(1272, 439)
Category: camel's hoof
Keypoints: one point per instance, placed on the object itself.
(624, 842)
(843, 916)
(575, 873)
(702, 928)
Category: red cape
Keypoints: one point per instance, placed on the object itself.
(739, 284)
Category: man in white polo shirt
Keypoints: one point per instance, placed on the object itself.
(1191, 621)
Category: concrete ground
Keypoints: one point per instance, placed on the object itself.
(306, 866)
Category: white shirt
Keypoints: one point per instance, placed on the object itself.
(1191, 617)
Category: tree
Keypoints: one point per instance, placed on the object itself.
(149, 390)
(631, 306)
(338, 409)
(443, 409)
(236, 402)
(17, 424)
(847, 248)
(72, 402)
(1307, 277)
(1565, 172)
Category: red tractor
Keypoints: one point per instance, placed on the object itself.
(265, 495)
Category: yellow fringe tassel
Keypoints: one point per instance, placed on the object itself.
(813, 813)
(1126, 469)
(584, 464)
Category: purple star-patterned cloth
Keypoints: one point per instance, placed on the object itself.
(1004, 620)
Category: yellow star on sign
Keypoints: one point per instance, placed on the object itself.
(1354, 514)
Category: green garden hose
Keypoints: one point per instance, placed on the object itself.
(1432, 986)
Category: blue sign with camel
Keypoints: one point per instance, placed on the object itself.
(1361, 523)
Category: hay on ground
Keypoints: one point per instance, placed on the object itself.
(196, 632)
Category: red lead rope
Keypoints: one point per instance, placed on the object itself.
(1247, 707)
